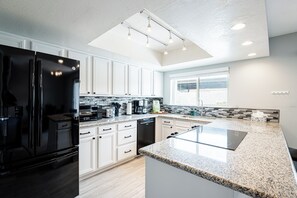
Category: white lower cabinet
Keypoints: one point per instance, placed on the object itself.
(106, 149)
(104, 146)
(126, 151)
(127, 133)
(87, 151)
(166, 131)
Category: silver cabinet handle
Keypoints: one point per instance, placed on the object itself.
(128, 126)
(107, 129)
(85, 133)
(128, 151)
(128, 136)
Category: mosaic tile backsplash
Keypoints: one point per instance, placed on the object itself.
(218, 112)
(106, 101)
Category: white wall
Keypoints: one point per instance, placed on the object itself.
(252, 81)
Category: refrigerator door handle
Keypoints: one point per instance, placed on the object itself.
(40, 103)
(32, 100)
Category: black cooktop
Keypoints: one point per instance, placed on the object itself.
(222, 138)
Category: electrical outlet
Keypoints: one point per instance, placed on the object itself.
(279, 93)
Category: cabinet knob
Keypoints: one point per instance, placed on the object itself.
(88, 92)
(94, 92)
(93, 138)
(100, 136)
(171, 127)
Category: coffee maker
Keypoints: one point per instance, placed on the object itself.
(140, 106)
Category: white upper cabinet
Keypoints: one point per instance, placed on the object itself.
(101, 76)
(119, 76)
(146, 82)
(10, 41)
(84, 71)
(158, 84)
(133, 80)
(47, 48)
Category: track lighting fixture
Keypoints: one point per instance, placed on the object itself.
(149, 27)
(184, 47)
(147, 41)
(170, 37)
(129, 33)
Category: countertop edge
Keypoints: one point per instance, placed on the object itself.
(208, 176)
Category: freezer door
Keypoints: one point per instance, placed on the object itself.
(54, 178)
(16, 105)
(57, 95)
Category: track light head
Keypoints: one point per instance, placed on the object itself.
(147, 41)
(170, 37)
(149, 27)
(129, 33)
(184, 47)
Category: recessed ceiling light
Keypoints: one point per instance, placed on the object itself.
(252, 54)
(165, 52)
(238, 26)
(247, 43)
(60, 61)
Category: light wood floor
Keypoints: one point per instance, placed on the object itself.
(125, 181)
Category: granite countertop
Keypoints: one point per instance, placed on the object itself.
(124, 118)
(127, 118)
(260, 166)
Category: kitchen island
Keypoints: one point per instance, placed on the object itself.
(260, 166)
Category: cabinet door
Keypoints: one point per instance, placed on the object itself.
(85, 71)
(146, 82)
(46, 48)
(101, 76)
(166, 131)
(10, 41)
(119, 76)
(158, 84)
(106, 150)
(180, 129)
(133, 80)
(87, 155)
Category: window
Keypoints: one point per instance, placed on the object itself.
(212, 90)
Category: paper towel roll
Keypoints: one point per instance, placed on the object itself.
(129, 108)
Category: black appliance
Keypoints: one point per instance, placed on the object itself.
(89, 113)
(39, 124)
(217, 137)
(140, 106)
(145, 132)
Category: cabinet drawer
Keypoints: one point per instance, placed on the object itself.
(107, 128)
(126, 125)
(167, 121)
(182, 123)
(87, 132)
(126, 136)
(126, 151)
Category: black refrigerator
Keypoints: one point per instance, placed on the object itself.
(39, 125)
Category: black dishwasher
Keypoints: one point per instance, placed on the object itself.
(145, 132)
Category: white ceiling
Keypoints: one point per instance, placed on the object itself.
(281, 17)
(75, 23)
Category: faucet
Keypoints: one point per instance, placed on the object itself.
(200, 104)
